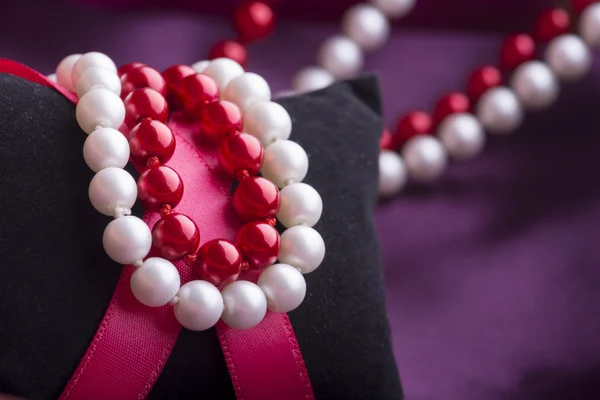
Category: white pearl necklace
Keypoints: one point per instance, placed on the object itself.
(198, 305)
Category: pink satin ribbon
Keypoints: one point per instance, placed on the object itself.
(133, 342)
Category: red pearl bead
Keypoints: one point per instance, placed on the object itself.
(256, 198)
(239, 152)
(175, 236)
(145, 103)
(483, 79)
(174, 75)
(515, 50)
(197, 89)
(385, 140)
(259, 244)
(253, 20)
(218, 262)
(151, 138)
(143, 77)
(580, 5)
(412, 124)
(123, 69)
(158, 186)
(230, 49)
(552, 23)
(219, 118)
(451, 103)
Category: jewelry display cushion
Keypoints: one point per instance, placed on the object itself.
(57, 280)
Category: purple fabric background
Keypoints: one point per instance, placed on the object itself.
(493, 274)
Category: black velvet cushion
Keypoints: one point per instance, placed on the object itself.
(56, 281)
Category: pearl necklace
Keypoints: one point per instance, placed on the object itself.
(198, 305)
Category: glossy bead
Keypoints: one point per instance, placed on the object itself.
(173, 76)
(96, 77)
(223, 70)
(112, 189)
(499, 111)
(483, 79)
(199, 306)
(246, 90)
(155, 283)
(535, 85)
(303, 248)
(366, 25)
(285, 162)
(283, 286)
(145, 103)
(341, 56)
(123, 69)
(151, 138)
(580, 6)
(196, 90)
(218, 262)
(99, 108)
(253, 20)
(452, 103)
(229, 49)
(394, 8)
(267, 121)
(64, 71)
(412, 124)
(245, 305)
(311, 78)
(256, 198)
(259, 244)
(127, 239)
(425, 158)
(385, 140)
(200, 66)
(158, 186)
(219, 119)
(568, 57)
(238, 152)
(462, 136)
(175, 236)
(105, 147)
(589, 25)
(392, 174)
(88, 60)
(299, 204)
(515, 50)
(143, 77)
(551, 23)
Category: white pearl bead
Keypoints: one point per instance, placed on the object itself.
(246, 90)
(284, 162)
(462, 135)
(302, 247)
(589, 25)
(89, 60)
(341, 56)
(245, 305)
(499, 111)
(105, 147)
(535, 85)
(223, 71)
(52, 78)
(284, 286)
(127, 239)
(199, 307)
(64, 71)
(425, 158)
(200, 66)
(392, 173)
(112, 189)
(267, 121)
(299, 204)
(96, 77)
(311, 78)
(569, 57)
(366, 25)
(394, 8)
(100, 107)
(156, 282)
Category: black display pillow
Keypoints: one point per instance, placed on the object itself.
(56, 280)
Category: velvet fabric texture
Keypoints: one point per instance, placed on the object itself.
(57, 280)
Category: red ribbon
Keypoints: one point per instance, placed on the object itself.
(133, 342)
